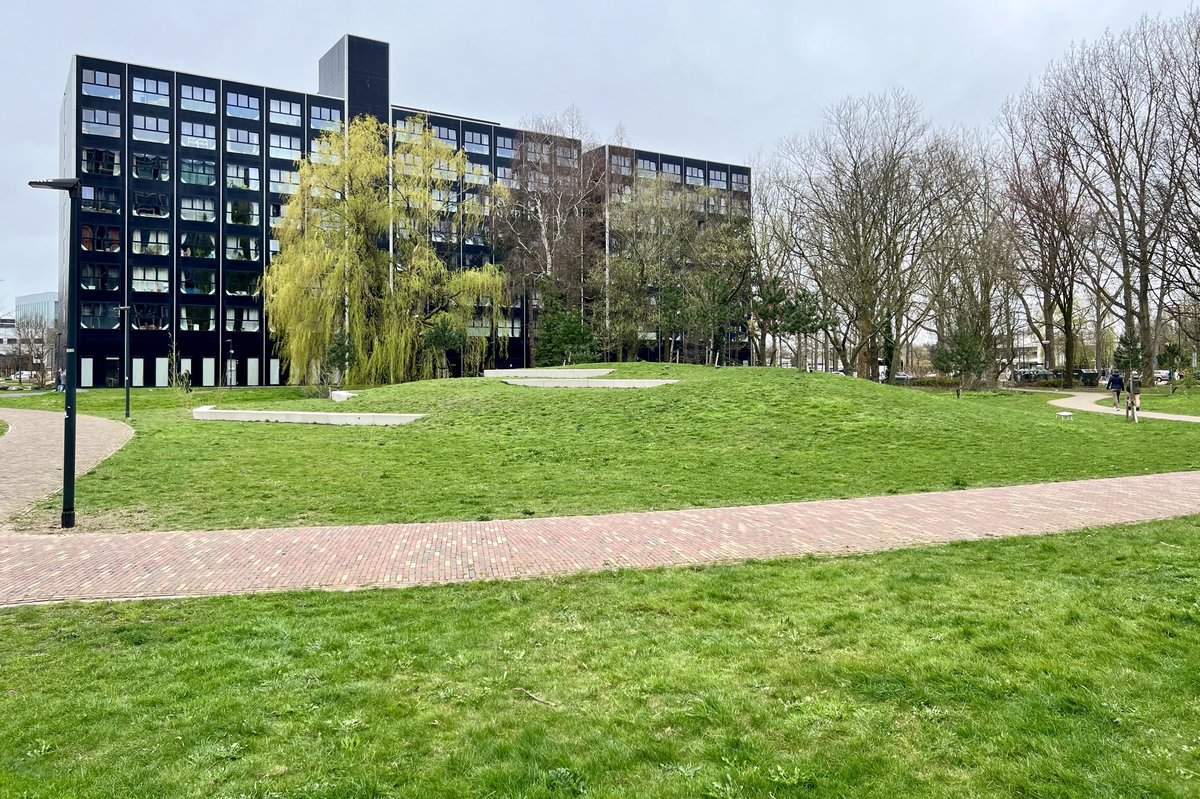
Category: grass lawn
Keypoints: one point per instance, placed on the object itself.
(489, 450)
(1063, 666)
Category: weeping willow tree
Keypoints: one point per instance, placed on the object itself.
(337, 279)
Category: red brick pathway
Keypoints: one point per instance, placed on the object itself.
(31, 454)
(145, 565)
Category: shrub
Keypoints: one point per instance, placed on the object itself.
(935, 382)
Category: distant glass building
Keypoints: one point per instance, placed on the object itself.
(44, 306)
(184, 179)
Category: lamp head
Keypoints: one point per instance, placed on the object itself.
(58, 184)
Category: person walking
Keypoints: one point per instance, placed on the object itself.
(1135, 397)
(1116, 384)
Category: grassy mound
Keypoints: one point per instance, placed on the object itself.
(488, 450)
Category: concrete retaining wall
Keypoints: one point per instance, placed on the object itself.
(552, 374)
(590, 383)
(208, 413)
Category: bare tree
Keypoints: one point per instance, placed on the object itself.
(1112, 108)
(541, 212)
(864, 196)
(35, 342)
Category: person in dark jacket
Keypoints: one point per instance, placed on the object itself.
(1116, 384)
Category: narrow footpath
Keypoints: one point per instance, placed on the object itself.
(31, 455)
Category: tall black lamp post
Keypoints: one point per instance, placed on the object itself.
(126, 363)
(71, 187)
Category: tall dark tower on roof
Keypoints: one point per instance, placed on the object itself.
(356, 69)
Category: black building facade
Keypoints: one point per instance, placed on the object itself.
(184, 179)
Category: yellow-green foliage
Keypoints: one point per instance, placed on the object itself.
(334, 271)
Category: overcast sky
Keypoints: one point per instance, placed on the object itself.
(717, 80)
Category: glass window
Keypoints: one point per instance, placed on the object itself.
(284, 181)
(151, 167)
(240, 176)
(157, 129)
(198, 209)
(198, 135)
(475, 141)
(718, 179)
(241, 248)
(100, 277)
(197, 245)
(242, 106)
(151, 92)
(505, 147)
(241, 141)
(102, 84)
(152, 204)
(198, 172)
(504, 176)
(150, 316)
(150, 242)
(273, 245)
(243, 320)
(741, 182)
(200, 318)
(477, 174)
(566, 155)
(241, 284)
(409, 129)
(447, 135)
(197, 98)
(285, 112)
(621, 165)
(321, 151)
(100, 238)
(241, 212)
(197, 280)
(672, 172)
(646, 168)
(99, 315)
(286, 147)
(695, 176)
(151, 279)
(99, 122)
(95, 161)
(325, 118)
(538, 152)
(100, 200)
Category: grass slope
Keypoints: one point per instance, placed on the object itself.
(489, 450)
(1064, 666)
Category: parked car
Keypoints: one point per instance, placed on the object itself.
(1161, 377)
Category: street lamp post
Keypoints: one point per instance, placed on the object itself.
(230, 368)
(71, 187)
(125, 362)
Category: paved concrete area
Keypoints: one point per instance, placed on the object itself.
(207, 413)
(1087, 402)
(587, 383)
(31, 454)
(554, 374)
(36, 569)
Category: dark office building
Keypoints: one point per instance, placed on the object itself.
(184, 179)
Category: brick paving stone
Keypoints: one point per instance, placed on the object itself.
(31, 454)
(37, 569)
